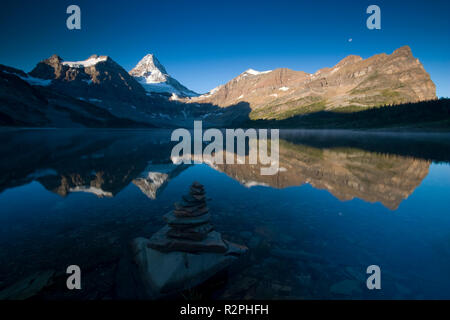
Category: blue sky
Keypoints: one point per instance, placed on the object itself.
(206, 43)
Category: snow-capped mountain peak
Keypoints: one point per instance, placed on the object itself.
(152, 75)
(150, 69)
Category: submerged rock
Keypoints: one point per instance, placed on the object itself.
(163, 273)
(27, 287)
(346, 287)
(184, 253)
(194, 233)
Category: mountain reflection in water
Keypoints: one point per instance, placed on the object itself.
(80, 196)
(105, 162)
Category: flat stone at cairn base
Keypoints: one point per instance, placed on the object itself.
(165, 273)
(212, 243)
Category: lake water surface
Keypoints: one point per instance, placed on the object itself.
(340, 202)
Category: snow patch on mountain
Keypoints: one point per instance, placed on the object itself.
(210, 93)
(160, 87)
(37, 82)
(253, 72)
(91, 61)
(32, 80)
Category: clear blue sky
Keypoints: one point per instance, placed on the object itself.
(206, 43)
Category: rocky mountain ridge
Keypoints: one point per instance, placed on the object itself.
(98, 77)
(100, 84)
(29, 102)
(354, 83)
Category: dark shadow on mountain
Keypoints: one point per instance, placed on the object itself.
(215, 116)
(419, 130)
(426, 115)
(26, 105)
(35, 102)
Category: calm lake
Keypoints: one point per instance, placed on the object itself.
(341, 201)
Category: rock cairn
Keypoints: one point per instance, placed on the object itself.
(184, 253)
(188, 226)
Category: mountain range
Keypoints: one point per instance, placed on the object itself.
(98, 92)
(353, 82)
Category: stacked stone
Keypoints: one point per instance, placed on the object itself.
(188, 226)
(192, 206)
(184, 253)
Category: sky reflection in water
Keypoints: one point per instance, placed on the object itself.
(342, 203)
